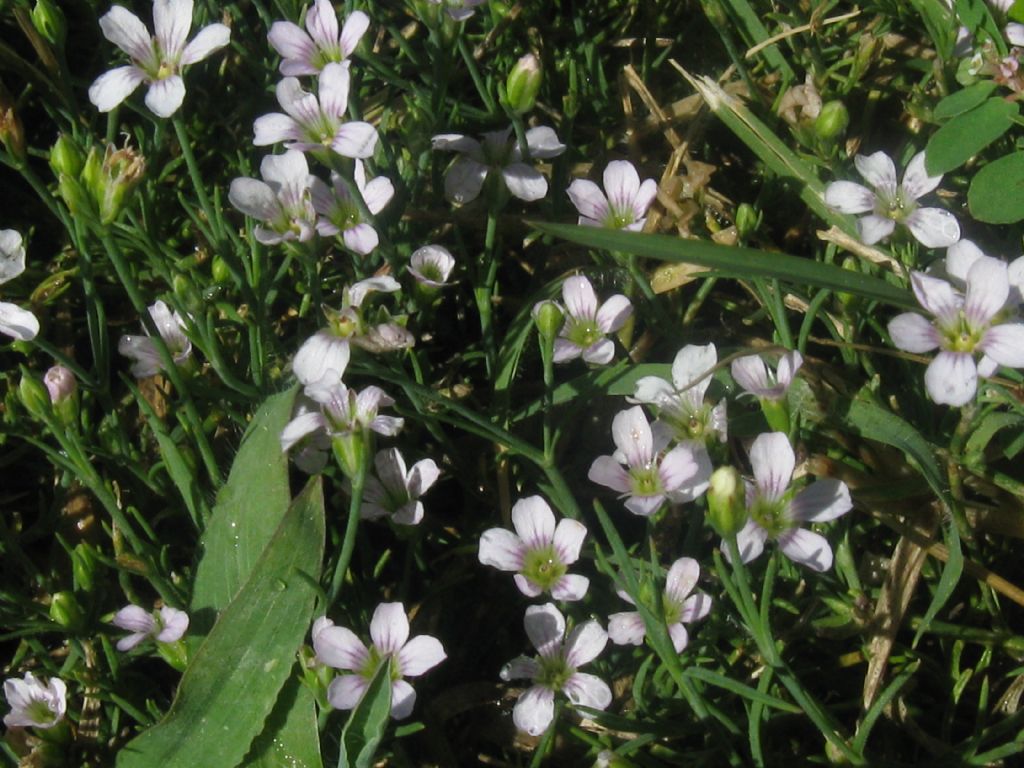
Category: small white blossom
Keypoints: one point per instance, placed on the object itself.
(459, 10)
(305, 53)
(142, 349)
(622, 205)
(755, 379)
(282, 201)
(395, 491)
(14, 321)
(584, 333)
(157, 60)
(339, 211)
(165, 626)
(431, 265)
(34, 704)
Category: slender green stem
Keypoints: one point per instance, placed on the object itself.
(483, 291)
(348, 542)
(193, 172)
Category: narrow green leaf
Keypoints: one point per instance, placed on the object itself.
(290, 736)
(963, 100)
(249, 509)
(754, 32)
(967, 134)
(744, 691)
(986, 430)
(996, 194)
(234, 679)
(947, 582)
(860, 739)
(734, 261)
(365, 726)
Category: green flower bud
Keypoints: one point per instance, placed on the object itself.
(122, 170)
(548, 317)
(747, 220)
(523, 84)
(48, 19)
(33, 395)
(350, 452)
(65, 611)
(83, 566)
(727, 507)
(220, 271)
(831, 121)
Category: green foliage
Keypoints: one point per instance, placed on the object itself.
(967, 133)
(996, 195)
(364, 728)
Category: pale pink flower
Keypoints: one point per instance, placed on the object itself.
(680, 603)
(459, 10)
(142, 349)
(755, 379)
(890, 203)
(282, 201)
(305, 53)
(167, 625)
(622, 205)
(395, 491)
(555, 668)
(431, 265)
(639, 472)
(499, 153)
(539, 552)
(339, 211)
(966, 325)
(14, 321)
(584, 333)
(316, 122)
(33, 703)
(157, 60)
(776, 511)
(340, 648)
(342, 412)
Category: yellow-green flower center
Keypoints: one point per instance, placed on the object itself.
(543, 567)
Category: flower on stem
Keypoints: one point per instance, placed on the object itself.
(281, 201)
(680, 603)
(966, 325)
(587, 324)
(33, 703)
(14, 321)
(555, 668)
(890, 203)
(344, 411)
(623, 204)
(459, 10)
(395, 492)
(431, 265)
(776, 511)
(313, 123)
(340, 213)
(167, 625)
(305, 53)
(501, 154)
(340, 648)
(681, 404)
(539, 552)
(143, 350)
(636, 471)
(755, 379)
(156, 60)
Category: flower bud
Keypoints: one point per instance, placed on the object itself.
(48, 19)
(727, 508)
(122, 170)
(523, 84)
(350, 451)
(12, 136)
(747, 220)
(220, 270)
(65, 611)
(33, 395)
(831, 121)
(66, 157)
(83, 566)
(548, 317)
(60, 383)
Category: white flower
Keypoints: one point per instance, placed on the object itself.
(14, 321)
(963, 254)
(555, 669)
(626, 203)
(431, 265)
(646, 480)
(308, 54)
(459, 10)
(680, 604)
(755, 379)
(966, 324)
(681, 404)
(587, 325)
(395, 492)
(339, 211)
(342, 412)
(340, 648)
(500, 153)
(889, 203)
(165, 626)
(156, 60)
(313, 123)
(282, 201)
(539, 552)
(33, 703)
(776, 511)
(143, 351)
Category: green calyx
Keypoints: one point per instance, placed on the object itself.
(543, 567)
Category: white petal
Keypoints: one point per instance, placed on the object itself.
(951, 378)
(134, 618)
(209, 40)
(568, 540)
(534, 710)
(626, 628)
(361, 239)
(389, 627)
(787, 368)
(464, 180)
(113, 87)
(403, 699)
(680, 637)
(621, 184)
(678, 467)
(543, 143)
(1004, 344)
(645, 506)
(588, 199)
(807, 548)
(345, 692)
(644, 197)
(749, 541)
(301, 426)
(527, 586)
(254, 198)
(524, 181)
(520, 668)
(873, 228)
(682, 578)
(291, 42)
(913, 333)
(608, 472)
(879, 171)
(934, 227)
(937, 296)
(456, 142)
(696, 607)
(916, 181)
(960, 256)
(821, 501)
(165, 96)
(692, 363)
(321, 354)
(545, 626)
(339, 647)
(17, 323)
(1015, 33)
(600, 352)
(580, 300)
(378, 193)
(588, 691)
(274, 127)
(12, 255)
(849, 197)
(651, 389)
(751, 374)
(585, 643)
(125, 30)
(570, 587)
(322, 23)
(534, 522)
(632, 435)
(772, 459)
(172, 19)
(421, 653)
(355, 27)
(501, 549)
(614, 313)
(333, 88)
(988, 288)
(355, 139)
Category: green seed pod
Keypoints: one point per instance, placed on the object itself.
(83, 566)
(832, 121)
(727, 508)
(523, 84)
(548, 317)
(65, 611)
(66, 157)
(747, 220)
(49, 21)
(219, 270)
(33, 395)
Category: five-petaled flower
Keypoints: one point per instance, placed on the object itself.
(890, 202)
(395, 491)
(587, 325)
(340, 212)
(313, 123)
(965, 325)
(647, 480)
(554, 670)
(499, 153)
(680, 604)
(165, 626)
(142, 349)
(156, 60)
(622, 205)
(755, 379)
(281, 201)
(14, 321)
(305, 53)
(431, 265)
(539, 552)
(34, 703)
(775, 510)
(340, 648)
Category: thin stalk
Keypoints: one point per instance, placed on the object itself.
(193, 172)
(483, 291)
(348, 543)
